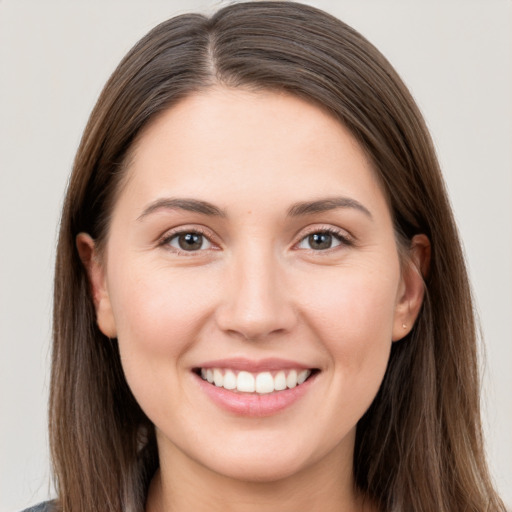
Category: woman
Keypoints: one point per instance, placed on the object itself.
(259, 290)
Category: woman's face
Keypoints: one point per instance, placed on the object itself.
(251, 244)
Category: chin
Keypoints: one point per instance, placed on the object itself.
(263, 462)
(261, 472)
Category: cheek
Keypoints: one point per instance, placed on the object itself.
(156, 307)
(353, 305)
(353, 316)
(158, 315)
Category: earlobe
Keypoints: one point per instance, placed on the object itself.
(412, 288)
(97, 281)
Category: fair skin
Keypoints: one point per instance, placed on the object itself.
(291, 266)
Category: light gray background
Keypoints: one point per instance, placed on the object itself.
(455, 55)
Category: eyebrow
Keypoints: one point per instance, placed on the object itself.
(296, 210)
(189, 205)
(322, 205)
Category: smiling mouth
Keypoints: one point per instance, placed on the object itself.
(259, 383)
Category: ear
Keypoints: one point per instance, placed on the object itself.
(97, 281)
(412, 287)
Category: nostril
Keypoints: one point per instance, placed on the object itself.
(256, 335)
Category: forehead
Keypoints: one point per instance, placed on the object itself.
(256, 145)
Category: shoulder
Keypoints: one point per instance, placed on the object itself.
(46, 506)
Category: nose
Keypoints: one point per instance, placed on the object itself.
(256, 301)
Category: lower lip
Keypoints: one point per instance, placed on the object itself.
(252, 404)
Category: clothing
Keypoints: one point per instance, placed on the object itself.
(46, 506)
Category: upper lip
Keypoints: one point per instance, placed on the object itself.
(255, 366)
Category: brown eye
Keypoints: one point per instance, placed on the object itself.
(320, 241)
(190, 241)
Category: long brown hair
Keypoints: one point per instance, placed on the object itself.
(419, 446)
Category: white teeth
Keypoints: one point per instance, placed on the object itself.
(218, 378)
(262, 383)
(303, 375)
(229, 380)
(245, 382)
(280, 381)
(291, 380)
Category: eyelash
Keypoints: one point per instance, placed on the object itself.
(344, 239)
(166, 239)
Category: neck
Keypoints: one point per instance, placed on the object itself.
(182, 485)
